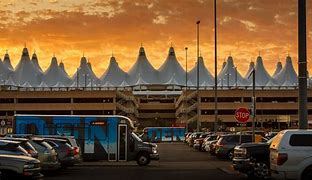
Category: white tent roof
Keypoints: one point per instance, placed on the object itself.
(55, 74)
(287, 76)
(228, 74)
(10, 82)
(172, 81)
(25, 71)
(251, 67)
(107, 84)
(62, 67)
(35, 62)
(142, 69)
(85, 74)
(5, 72)
(43, 84)
(278, 69)
(26, 84)
(7, 61)
(262, 76)
(124, 84)
(140, 82)
(113, 74)
(59, 84)
(204, 74)
(171, 68)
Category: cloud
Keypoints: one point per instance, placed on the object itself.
(249, 25)
(160, 19)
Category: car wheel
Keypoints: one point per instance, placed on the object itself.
(261, 170)
(143, 159)
(307, 174)
(231, 154)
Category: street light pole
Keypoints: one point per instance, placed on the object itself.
(215, 73)
(186, 118)
(198, 112)
(77, 78)
(253, 103)
(235, 68)
(302, 67)
(228, 79)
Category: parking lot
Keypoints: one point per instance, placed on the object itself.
(177, 161)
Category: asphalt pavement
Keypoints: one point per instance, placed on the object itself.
(177, 161)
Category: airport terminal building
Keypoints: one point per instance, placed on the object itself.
(167, 96)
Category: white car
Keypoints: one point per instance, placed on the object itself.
(291, 155)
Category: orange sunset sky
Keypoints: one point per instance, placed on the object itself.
(97, 27)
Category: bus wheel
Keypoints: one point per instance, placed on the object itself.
(143, 159)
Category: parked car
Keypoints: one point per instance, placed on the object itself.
(19, 166)
(207, 141)
(72, 141)
(192, 137)
(199, 141)
(212, 147)
(224, 148)
(47, 154)
(24, 143)
(253, 159)
(12, 148)
(65, 152)
(187, 135)
(290, 155)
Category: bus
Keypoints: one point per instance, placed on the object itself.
(163, 134)
(100, 137)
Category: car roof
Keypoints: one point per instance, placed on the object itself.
(16, 139)
(8, 141)
(55, 139)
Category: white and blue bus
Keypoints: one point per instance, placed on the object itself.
(100, 137)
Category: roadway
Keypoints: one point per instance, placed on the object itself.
(178, 161)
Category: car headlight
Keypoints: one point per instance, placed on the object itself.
(240, 152)
(154, 150)
(29, 166)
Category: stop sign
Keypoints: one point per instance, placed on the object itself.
(242, 115)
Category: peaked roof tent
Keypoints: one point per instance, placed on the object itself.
(171, 68)
(142, 69)
(55, 74)
(230, 76)
(35, 62)
(25, 71)
(85, 74)
(7, 61)
(251, 67)
(114, 74)
(278, 69)
(287, 76)
(262, 76)
(62, 67)
(5, 72)
(205, 76)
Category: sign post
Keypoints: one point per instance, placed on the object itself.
(242, 116)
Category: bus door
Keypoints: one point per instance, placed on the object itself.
(122, 142)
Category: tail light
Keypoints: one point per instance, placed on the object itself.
(281, 158)
(76, 150)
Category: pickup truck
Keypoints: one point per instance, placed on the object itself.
(253, 159)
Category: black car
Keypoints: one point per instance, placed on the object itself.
(253, 159)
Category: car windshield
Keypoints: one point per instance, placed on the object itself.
(136, 137)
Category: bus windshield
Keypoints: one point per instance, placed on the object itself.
(136, 137)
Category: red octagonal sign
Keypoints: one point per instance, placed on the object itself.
(242, 115)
